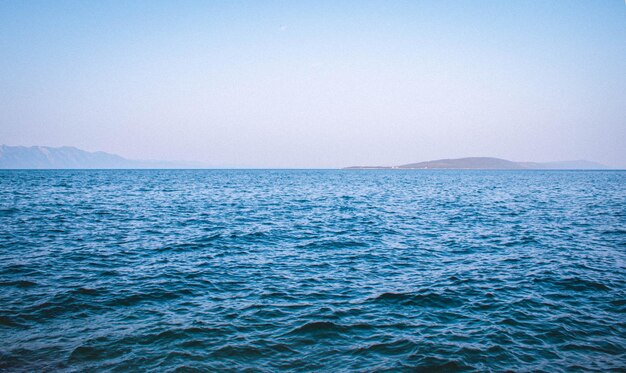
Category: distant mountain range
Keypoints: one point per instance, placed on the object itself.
(44, 157)
(487, 163)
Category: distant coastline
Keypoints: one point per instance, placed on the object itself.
(68, 157)
(488, 163)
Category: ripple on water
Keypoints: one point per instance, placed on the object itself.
(426, 299)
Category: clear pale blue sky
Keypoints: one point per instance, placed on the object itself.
(317, 84)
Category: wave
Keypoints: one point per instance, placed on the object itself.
(429, 299)
(319, 327)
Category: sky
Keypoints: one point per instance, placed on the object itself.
(319, 84)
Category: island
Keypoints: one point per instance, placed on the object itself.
(490, 163)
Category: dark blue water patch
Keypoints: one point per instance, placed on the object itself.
(424, 299)
(19, 283)
(182, 270)
(8, 211)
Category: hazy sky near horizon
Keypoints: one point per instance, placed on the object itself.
(319, 83)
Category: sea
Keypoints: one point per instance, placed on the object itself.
(312, 270)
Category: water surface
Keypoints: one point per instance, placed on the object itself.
(312, 270)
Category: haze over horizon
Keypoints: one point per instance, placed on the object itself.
(317, 84)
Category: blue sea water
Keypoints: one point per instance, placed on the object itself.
(312, 270)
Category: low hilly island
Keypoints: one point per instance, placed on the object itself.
(489, 163)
